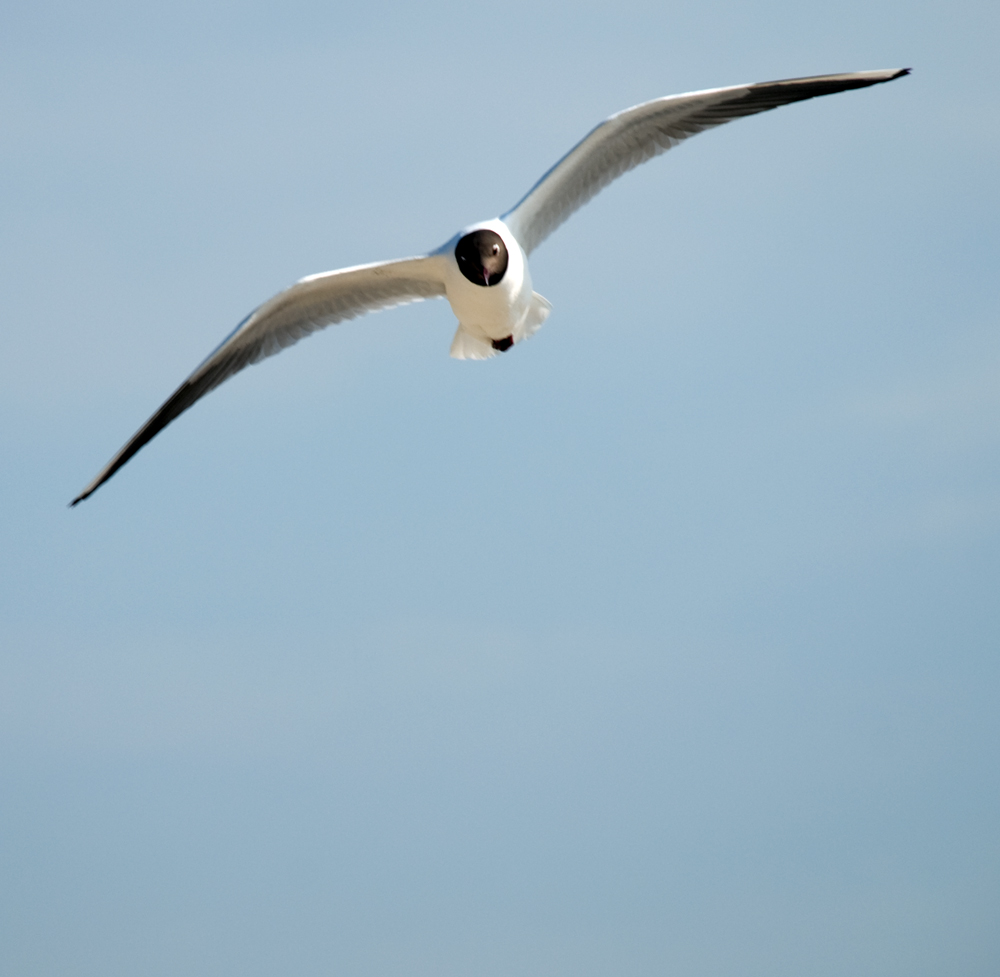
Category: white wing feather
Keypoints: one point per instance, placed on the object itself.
(310, 304)
(629, 138)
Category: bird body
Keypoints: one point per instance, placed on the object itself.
(483, 270)
(490, 315)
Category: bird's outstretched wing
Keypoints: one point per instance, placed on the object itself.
(629, 138)
(310, 304)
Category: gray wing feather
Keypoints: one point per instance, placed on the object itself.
(310, 304)
(629, 138)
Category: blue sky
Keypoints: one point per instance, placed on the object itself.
(666, 643)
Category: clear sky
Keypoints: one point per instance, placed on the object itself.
(666, 643)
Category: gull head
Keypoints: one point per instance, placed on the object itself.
(482, 257)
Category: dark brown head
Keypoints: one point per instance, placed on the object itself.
(482, 257)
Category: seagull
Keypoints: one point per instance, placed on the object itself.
(483, 269)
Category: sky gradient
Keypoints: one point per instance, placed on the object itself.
(666, 643)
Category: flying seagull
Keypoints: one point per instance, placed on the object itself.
(483, 269)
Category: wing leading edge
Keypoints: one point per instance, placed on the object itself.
(310, 304)
(635, 135)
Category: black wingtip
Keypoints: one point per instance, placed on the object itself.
(86, 493)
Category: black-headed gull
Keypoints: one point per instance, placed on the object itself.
(483, 269)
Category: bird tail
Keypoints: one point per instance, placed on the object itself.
(465, 346)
